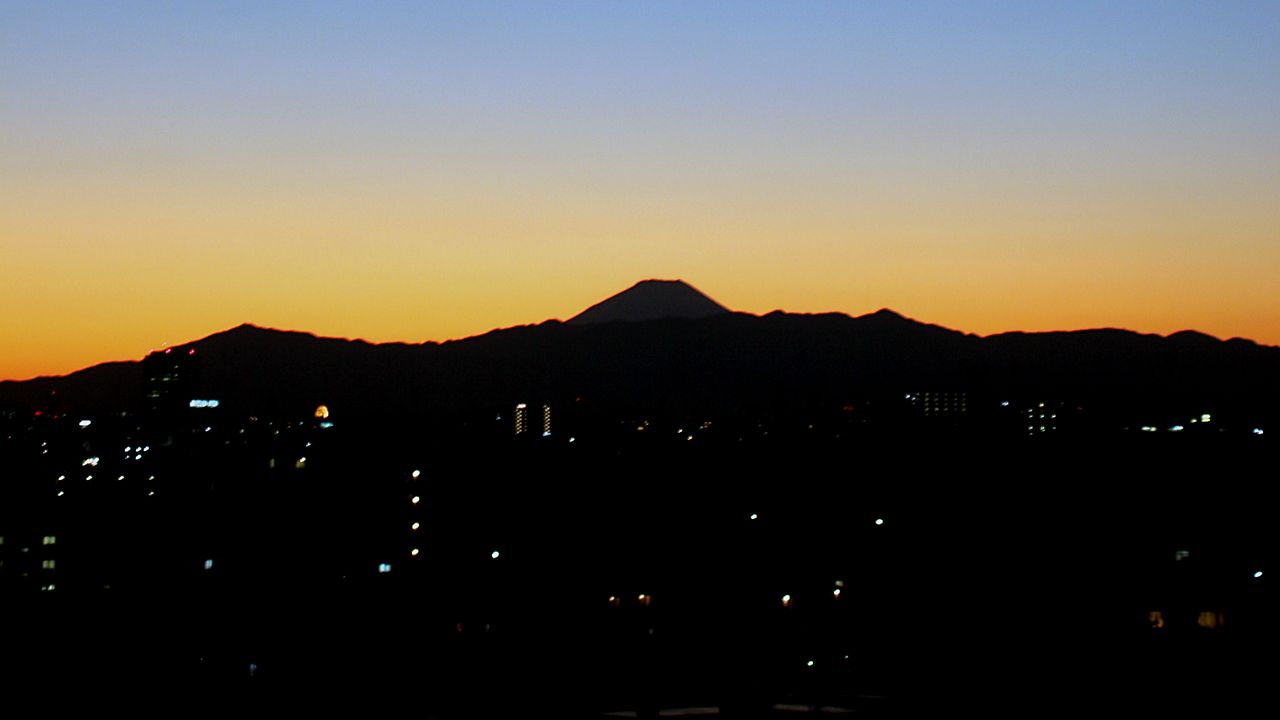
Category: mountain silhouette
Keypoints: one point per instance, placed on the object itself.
(680, 354)
(651, 300)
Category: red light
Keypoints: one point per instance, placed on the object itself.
(38, 413)
(166, 350)
(192, 351)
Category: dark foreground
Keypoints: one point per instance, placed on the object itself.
(1003, 578)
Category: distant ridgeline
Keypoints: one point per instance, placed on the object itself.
(664, 352)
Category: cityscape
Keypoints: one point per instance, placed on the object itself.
(753, 547)
(589, 360)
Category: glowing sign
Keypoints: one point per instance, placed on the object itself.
(204, 403)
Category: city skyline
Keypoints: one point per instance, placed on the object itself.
(413, 174)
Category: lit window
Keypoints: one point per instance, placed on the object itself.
(208, 564)
(50, 540)
(415, 499)
(48, 564)
(384, 567)
(1209, 620)
(1156, 618)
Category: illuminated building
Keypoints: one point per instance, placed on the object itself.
(546, 421)
(522, 419)
(170, 378)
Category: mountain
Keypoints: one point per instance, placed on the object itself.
(652, 300)
(680, 354)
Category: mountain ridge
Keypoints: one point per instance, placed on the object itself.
(723, 362)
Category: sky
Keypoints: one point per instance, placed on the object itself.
(418, 171)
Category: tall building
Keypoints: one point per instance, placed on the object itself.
(170, 377)
(522, 419)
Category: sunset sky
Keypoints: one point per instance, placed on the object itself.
(430, 170)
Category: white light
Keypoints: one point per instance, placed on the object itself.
(203, 403)
(1257, 574)
(87, 478)
(414, 552)
(208, 564)
(1206, 417)
(416, 474)
(1176, 428)
(1257, 431)
(384, 567)
(1004, 403)
(90, 461)
(153, 492)
(836, 592)
(495, 554)
(61, 493)
(415, 526)
(809, 664)
(146, 449)
(786, 598)
(1148, 428)
(137, 457)
(128, 450)
(879, 521)
(86, 423)
(120, 478)
(415, 499)
(62, 477)
(754, 516)
(570, 439)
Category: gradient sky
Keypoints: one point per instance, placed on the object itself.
(415, 171)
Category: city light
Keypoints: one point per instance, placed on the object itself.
(85, 423)
(415, 499)
(1257, 575)
(495, 554)
(414, 552)
(416, 474)
(879, 521)
(754, 516)
(415, 526)
(384, 567)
